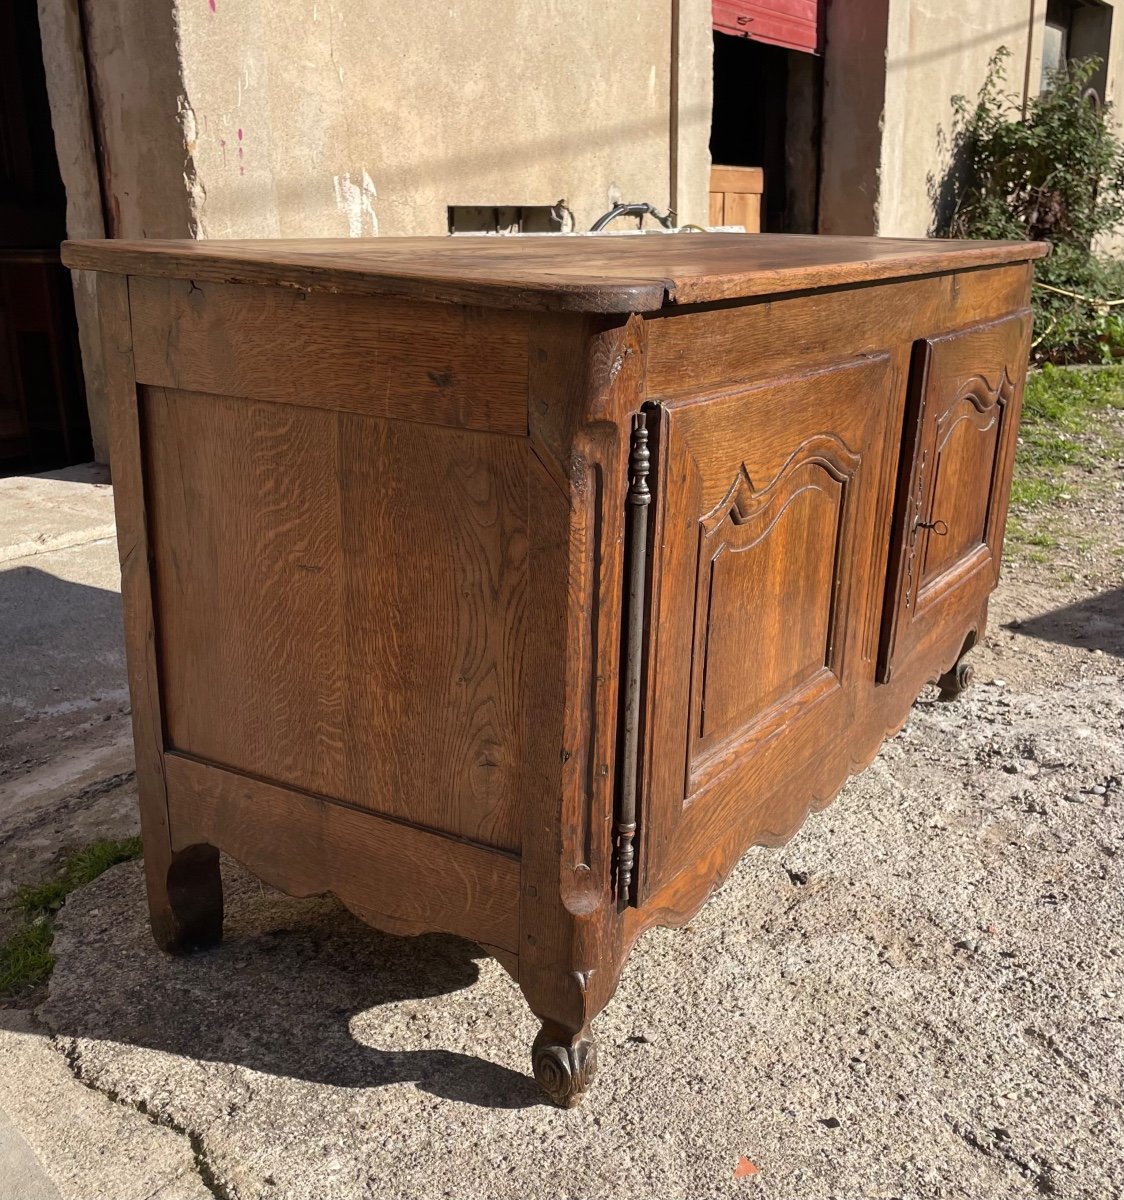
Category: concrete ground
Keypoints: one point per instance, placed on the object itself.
(66, 754)
(922, 995)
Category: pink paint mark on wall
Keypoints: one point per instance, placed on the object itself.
(241, 155)
(211, 5)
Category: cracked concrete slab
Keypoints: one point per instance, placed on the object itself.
(85, 1143)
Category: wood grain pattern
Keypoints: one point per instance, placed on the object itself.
(961, 429)
(735, 196)
(184, 890)
(705, 349)
(341, 605)
(776, 644)
(434, 363)
(396, 877)
(378, 650)
(747, 551)
(603, 274)
(586, 379)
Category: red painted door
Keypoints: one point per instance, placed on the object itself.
(794, 24)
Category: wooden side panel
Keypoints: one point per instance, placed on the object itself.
(762, 593)
(960, 435)
(340, 603)
(396, 877)
(440, 364)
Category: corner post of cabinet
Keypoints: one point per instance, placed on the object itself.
(184, 889)
(585, 385)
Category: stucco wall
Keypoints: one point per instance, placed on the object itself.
(341, 117)
(854, 98)
(930, 58)
(891, 69)
(329, 118)
(65, 69)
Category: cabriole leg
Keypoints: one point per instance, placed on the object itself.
(564, 1063)
(953, 683)
(185, 899)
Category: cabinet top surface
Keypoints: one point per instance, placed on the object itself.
(607, 273)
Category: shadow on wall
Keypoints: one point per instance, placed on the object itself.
(1093, 624)
(289, 993)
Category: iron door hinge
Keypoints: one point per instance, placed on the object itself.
(638, 502)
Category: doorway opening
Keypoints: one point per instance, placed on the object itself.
(44, 422)
(766, 116)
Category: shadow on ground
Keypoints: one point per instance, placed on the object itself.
(277, 996)
(60, 643)
(1093, 624)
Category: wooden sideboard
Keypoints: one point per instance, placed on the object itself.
(514, 587)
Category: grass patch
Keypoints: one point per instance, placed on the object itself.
(25, 958)
(1063, 428)
(1066, 397)
(1030, 491)
(1060, 406)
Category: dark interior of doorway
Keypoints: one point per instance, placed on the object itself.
(43, 418)
(767, 106)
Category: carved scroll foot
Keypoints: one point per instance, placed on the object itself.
(564, 1064)
(185, 900)
(953, 683)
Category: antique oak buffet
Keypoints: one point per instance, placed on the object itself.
(513, 587)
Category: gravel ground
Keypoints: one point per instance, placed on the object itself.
(922, 995)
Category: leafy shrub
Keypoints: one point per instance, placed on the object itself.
(1054, 172)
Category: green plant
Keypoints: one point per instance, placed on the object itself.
(25, 958)
(1054, 171)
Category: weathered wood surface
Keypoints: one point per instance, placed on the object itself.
(398, 878)
(374, 559)
(609, 273)
(184, 889)
(341, 605)
(438, 364)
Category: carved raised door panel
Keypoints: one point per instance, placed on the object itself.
(762, 594)
(959, 450)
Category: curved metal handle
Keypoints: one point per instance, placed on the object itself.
(940, 528)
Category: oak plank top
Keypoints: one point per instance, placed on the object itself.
(607, 273)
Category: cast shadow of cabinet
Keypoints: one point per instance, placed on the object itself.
(282, 992)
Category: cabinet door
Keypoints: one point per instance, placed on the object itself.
(762, 590)
(959, 450)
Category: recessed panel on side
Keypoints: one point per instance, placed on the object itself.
(340, 604)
